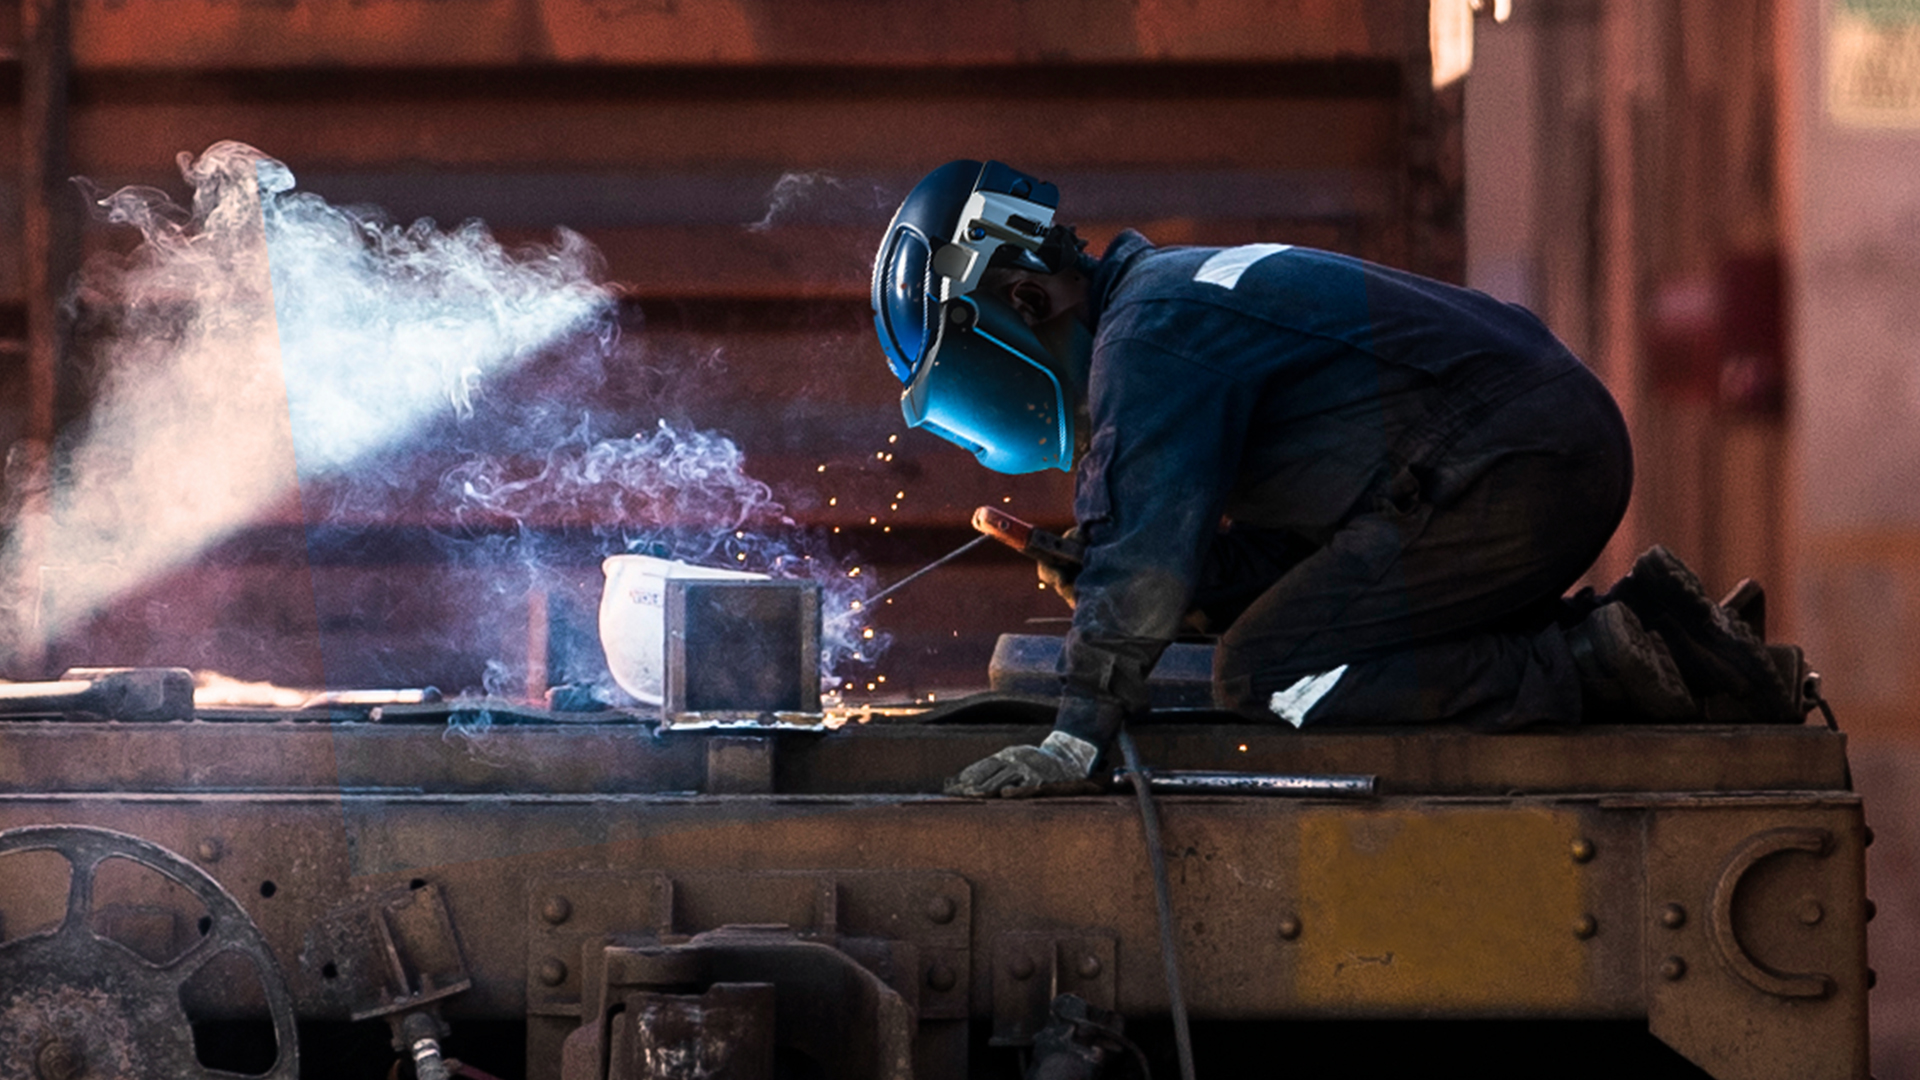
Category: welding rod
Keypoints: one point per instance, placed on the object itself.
(905, 581)
(1294, 785)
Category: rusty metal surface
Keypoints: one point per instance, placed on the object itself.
(330, 33)
(1457, 894)
(418, 751)
(1756, 939)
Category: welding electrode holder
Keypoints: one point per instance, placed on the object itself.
(1036, 543)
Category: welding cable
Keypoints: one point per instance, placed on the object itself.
(1163, 898)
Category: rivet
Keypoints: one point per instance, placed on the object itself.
(557, 909)
(209, 849)
(940, 977)
(1810, 912)
(1582, 849)
(1021, 967)
(1673, 916)
(1289, 926)
(553, 971)
(941, 909)
(56, 1061)
(1090, 967)
(1872, 909)
(1585, 927)
(1673, 968)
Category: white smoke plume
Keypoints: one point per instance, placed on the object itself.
(820, 195)
(271, 348)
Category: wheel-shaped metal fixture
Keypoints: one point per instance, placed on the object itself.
(74, 1004)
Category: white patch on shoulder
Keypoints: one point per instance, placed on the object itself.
(1293, 703)
(1226, 266)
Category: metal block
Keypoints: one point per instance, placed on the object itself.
(1027, 664)
(742, 651)
(739, 765)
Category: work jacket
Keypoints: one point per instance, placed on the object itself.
(1275, 387)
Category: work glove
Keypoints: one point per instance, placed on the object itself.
(1060, 578)
(1058, 766)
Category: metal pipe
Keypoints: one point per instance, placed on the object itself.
(1290, 785)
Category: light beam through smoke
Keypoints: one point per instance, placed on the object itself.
(269, 345)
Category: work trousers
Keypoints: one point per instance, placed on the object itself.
(1441, 596)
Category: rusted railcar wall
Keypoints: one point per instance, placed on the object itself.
(663, 133)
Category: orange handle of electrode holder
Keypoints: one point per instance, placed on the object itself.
(1037, 544)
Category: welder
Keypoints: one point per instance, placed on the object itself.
(1373, 487)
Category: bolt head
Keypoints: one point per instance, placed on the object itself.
(209, 849)
(1673, 968)
(942, 909)
(1585, 927)
(1673, 916)
(1581, 849)
(1810, 912)
(1289, 927)
(556, 910)
(1021, 967)
(1089, 967)
(552, 971)
(57, 1061)
(941, 977)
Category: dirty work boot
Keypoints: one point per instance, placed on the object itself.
(1722, 659)
(1626, 671)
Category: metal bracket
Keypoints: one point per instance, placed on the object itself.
(1764, 845)
(1031, 968)
(912, 928)
(390, 952)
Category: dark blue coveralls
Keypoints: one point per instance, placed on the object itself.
(1413, 474)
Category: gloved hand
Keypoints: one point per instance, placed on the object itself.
(1060, 578)
(1058, 766)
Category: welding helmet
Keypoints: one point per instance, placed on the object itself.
(974, 373)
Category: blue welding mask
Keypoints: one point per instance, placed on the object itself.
(975, 374)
